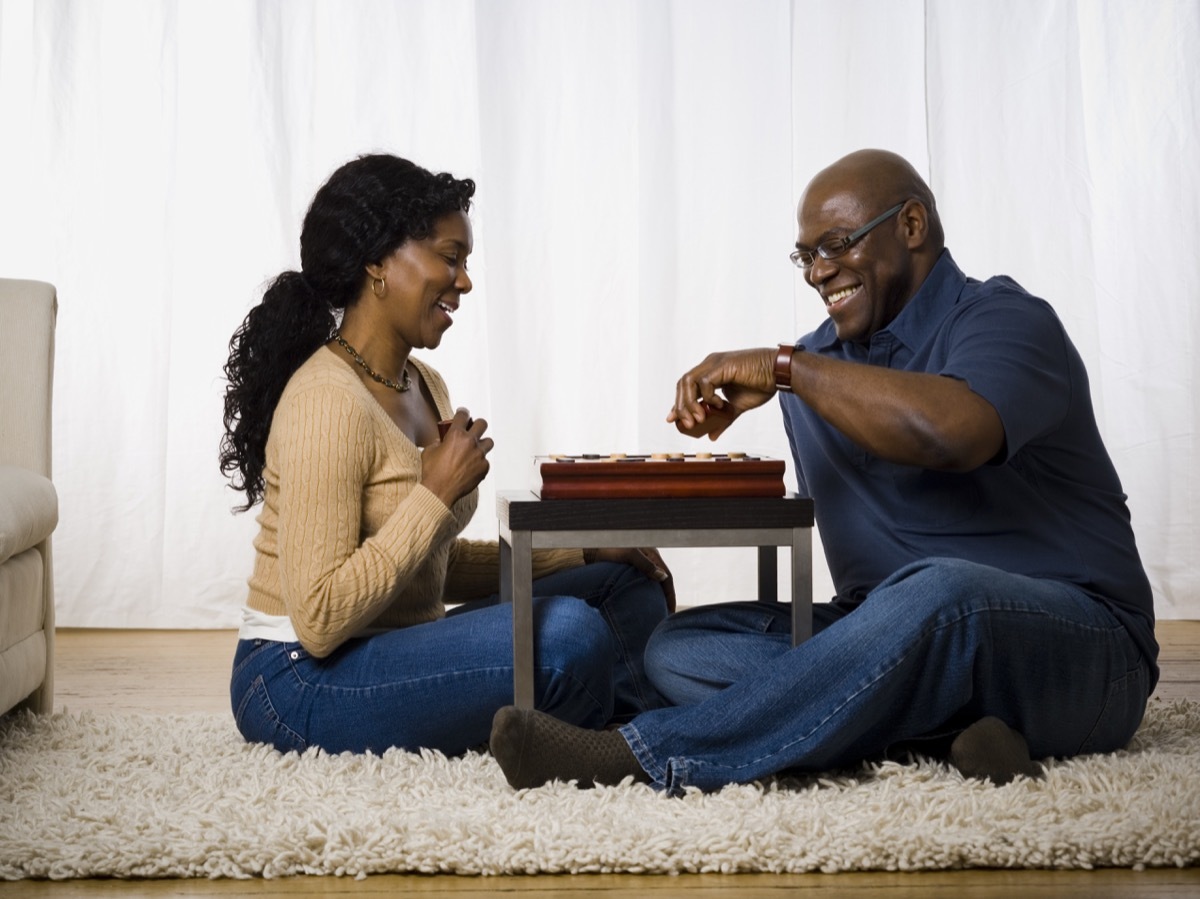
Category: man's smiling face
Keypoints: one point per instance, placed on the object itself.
(865, 287)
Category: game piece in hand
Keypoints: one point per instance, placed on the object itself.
(444, 426)
(714, 419)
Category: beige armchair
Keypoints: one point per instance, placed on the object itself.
(28, 501)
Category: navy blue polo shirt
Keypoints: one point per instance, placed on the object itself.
(1052, 507)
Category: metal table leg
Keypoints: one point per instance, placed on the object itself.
(801, 585)
(516, 586)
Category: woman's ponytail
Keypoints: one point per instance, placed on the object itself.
(274, 339)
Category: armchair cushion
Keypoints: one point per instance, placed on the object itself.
(21, 576)
(28, 510)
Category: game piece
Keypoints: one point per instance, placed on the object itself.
(444, 427)
(713, 419)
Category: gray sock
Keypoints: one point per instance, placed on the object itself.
(991, 749)
(534, 748)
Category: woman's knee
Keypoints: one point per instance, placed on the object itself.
(569, 629)
(575, 657)
(625, 591)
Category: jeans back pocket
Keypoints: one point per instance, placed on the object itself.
(258, 721)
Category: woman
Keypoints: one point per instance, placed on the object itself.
(332, 424)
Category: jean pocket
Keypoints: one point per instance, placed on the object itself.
(1121, 716)
(258, 721)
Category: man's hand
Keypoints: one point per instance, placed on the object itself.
(745, 379)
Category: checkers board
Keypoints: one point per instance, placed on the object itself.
(659, 475)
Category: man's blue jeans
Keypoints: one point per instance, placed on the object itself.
(937, 646)
(437, 685)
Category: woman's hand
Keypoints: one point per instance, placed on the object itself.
(454, 467)
(646, 560)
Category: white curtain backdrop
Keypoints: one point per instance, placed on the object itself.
(638, 163)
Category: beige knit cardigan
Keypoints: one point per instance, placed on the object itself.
(348, 538)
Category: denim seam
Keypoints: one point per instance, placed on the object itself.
(642, 753)
(457, 674)
(1115, 688)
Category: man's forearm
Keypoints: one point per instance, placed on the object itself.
(911, 418)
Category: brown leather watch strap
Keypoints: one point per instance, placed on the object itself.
(783, 366)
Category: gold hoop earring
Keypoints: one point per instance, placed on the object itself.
(381, 292)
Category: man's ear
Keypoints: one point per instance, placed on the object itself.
(915, 218)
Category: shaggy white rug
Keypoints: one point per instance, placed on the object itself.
(182, 796)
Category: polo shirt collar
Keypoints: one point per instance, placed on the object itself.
(929, 305)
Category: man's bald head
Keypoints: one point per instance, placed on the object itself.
(880, 179)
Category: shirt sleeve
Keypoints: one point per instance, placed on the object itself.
(1010, 348)
(332, 584)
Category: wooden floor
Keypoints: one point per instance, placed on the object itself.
(187, 671)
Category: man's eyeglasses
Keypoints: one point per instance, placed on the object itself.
(831, 249)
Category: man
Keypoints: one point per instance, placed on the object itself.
(990, 598)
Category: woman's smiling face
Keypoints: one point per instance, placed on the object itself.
(427, 278)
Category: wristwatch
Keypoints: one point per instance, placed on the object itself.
(783, 365)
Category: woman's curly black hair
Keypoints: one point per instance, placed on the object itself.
(363, 213)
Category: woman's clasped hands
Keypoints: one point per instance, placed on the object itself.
(453, 467)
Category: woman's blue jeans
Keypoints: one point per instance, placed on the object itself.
(437, 685)
(937, 646)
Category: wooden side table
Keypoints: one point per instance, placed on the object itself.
(528, 523)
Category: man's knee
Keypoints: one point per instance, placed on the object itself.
(699, 652)
(670, 648)
(674, 657)
(940, 581)
(678, 643)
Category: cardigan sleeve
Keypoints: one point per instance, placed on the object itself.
(474, 570)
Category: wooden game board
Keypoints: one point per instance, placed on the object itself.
(615, 476)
